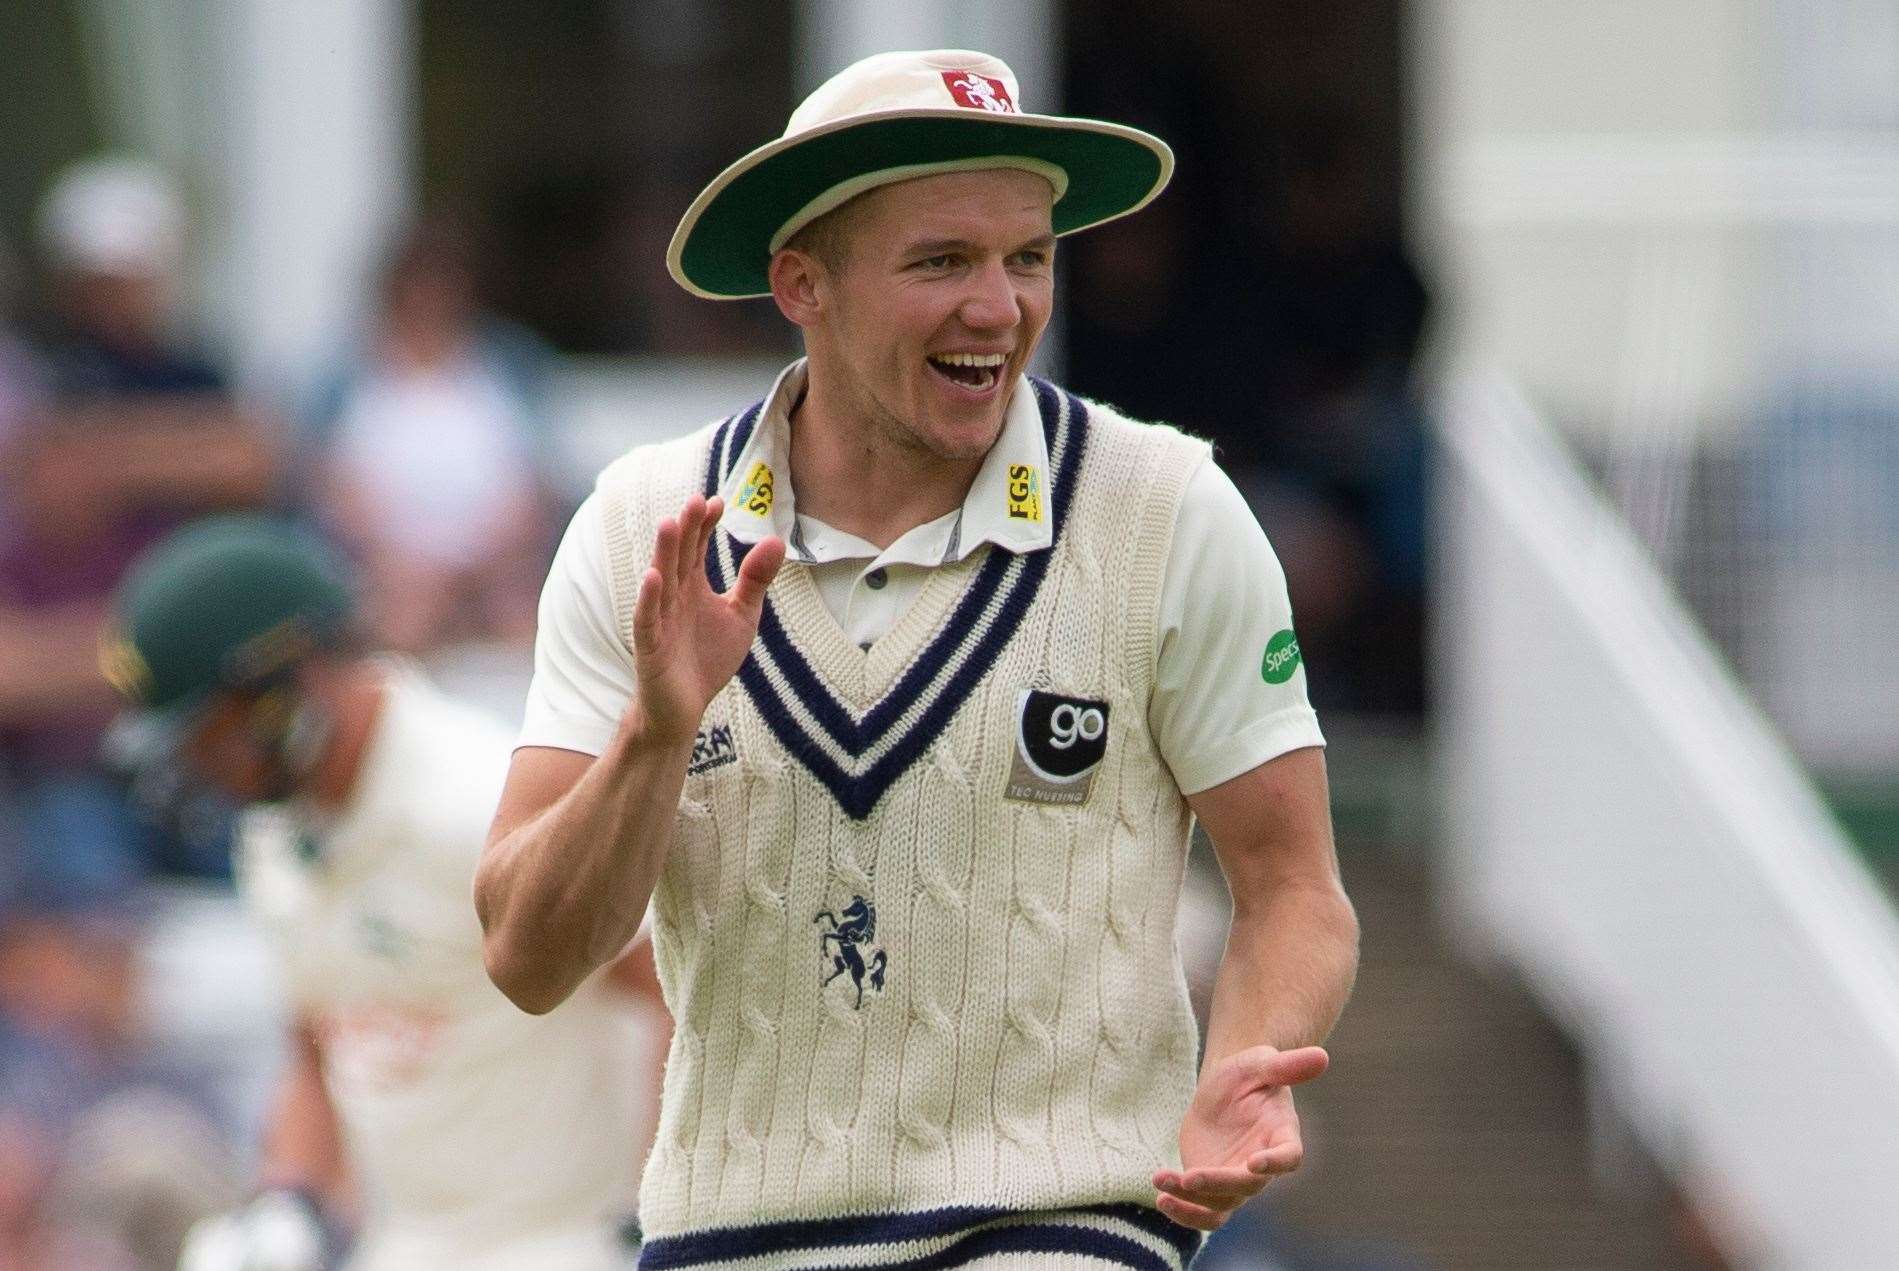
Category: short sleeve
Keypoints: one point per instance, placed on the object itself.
(1230, 684)
(583, 671)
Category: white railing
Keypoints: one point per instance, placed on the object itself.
(1623, 828)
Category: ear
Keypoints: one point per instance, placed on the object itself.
(797, 285)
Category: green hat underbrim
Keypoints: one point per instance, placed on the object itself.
(723, 245)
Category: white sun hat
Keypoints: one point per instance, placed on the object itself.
(113, 214)
(889, 118)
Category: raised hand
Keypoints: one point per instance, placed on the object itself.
(1240, 1132)
(688, 639)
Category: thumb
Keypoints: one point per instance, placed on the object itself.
(1264, 1066)
(755, 573)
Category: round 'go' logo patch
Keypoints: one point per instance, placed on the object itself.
(1059, 742)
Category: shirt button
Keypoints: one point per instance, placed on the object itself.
(876, 579)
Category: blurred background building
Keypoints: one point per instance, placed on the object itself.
(1552, 341)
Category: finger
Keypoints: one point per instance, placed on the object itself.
(646, 608)
(666, 552)
(1281, 1158)
(715, 508)
(1187, 1214)
(1215, 1188)
(691, 519)
(1234, 1183)
(755, 573)
(1292, 1067)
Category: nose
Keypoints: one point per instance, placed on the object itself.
(991, 303)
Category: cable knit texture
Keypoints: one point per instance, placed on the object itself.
(1023, 1041)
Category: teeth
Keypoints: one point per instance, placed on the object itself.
(970, 359)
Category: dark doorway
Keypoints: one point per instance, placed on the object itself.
(1267, 301)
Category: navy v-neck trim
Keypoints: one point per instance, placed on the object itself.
(859, 757)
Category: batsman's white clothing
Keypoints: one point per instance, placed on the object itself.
(917, 923)
(480, 1137)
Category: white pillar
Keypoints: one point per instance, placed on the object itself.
(834, 33)
(316, 172)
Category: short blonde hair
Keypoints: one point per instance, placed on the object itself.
(827, 238)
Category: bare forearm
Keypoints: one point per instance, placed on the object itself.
(578, 844)
(1288, 969)
(222, 457)
(49, 662)
(303, 1148)
(562, 893)
(189, 450)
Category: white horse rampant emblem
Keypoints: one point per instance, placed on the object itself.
(979, 92)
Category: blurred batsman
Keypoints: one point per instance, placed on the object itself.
(898, 693)
(419, 1107)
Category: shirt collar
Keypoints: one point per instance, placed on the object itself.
(1008, 503)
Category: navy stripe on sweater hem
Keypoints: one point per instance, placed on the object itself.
(1185, 1240)
(804, 1233)
(1030, 1238)
(863, 1231)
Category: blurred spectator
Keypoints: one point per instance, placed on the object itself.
(434, 456)
(123, 433)
(113, 430)
(106, 1158)
(21, 383)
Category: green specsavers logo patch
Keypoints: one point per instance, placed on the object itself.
(1282, 658)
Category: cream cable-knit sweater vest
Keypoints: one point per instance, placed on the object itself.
(897, 989)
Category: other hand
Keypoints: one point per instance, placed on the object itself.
(1240, 1133)
(278, 1231)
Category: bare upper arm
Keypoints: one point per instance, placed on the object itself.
(538, 777)
(1272, 826)
(634, 973)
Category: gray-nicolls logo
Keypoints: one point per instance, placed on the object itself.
(712, 748)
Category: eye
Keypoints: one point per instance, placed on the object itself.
(1032, 257)
(936, 262)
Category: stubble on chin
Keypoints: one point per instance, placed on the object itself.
(949, 446)
(910, 437)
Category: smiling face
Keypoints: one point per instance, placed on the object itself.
(926, 300)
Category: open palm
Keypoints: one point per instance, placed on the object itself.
(1240, 1132)
(689, 640)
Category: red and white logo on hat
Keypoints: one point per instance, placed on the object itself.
(979, 92)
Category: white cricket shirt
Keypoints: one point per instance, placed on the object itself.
(1222, 704)
(480, 1136)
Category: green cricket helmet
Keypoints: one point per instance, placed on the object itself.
(227, 603)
